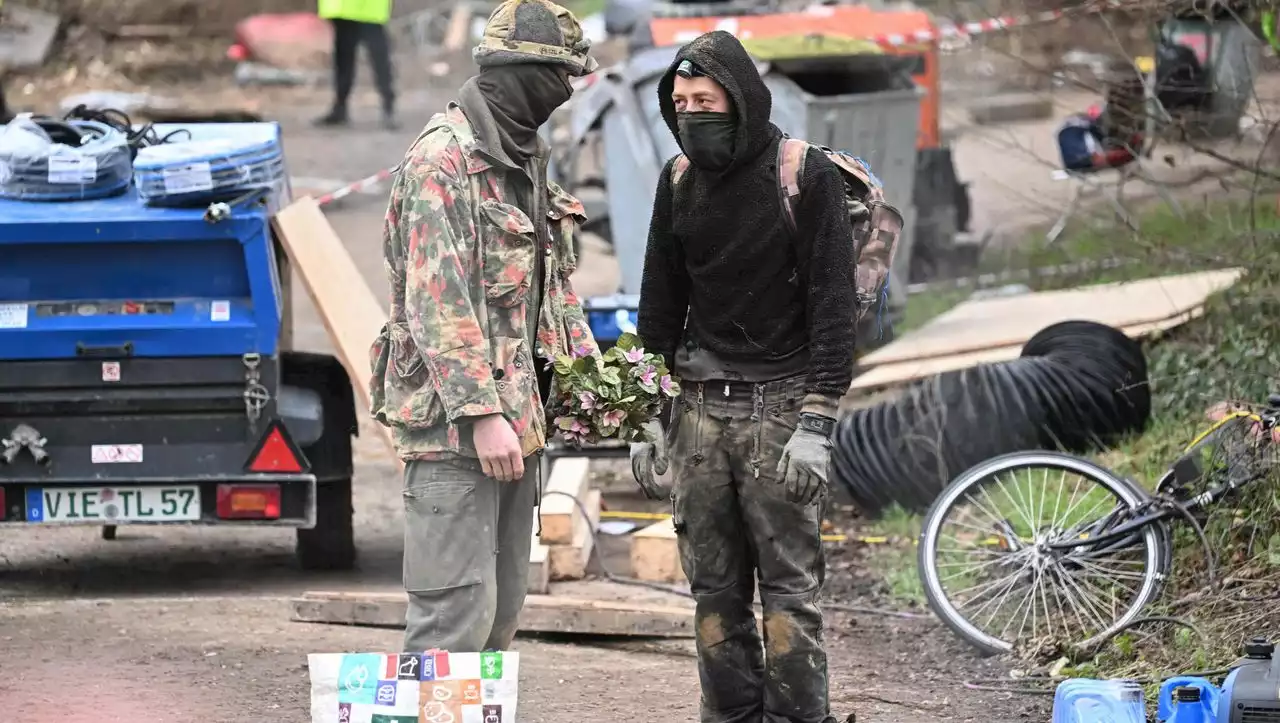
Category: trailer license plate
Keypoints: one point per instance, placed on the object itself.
(100, 505)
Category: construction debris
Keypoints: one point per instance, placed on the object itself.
(26, 36)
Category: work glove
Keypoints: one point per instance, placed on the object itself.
(803, 466)
(649, 459)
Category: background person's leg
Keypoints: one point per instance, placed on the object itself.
(346, 38)
(450, 536)
(379, 46)
(515, 537)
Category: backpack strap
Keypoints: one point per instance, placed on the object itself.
(791, 155)
(678, 168)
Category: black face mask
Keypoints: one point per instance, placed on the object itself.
(708, 138)
(522, 97)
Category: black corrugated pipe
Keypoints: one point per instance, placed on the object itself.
(1078, 386)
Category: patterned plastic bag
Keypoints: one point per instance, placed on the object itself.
(431, 687)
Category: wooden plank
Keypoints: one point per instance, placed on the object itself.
(351, 313)
(560, 513)
(904, 372)
(539, 580)
(1000, 322)
(459, 31)
(655, 555)
(541, 614)
(569, 562)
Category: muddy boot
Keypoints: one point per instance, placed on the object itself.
(335, 117)
(389, 122)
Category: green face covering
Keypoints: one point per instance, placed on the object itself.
(707, 138)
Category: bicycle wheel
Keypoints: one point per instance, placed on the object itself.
(990, 574)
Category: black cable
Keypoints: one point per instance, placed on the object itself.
(1078, 386)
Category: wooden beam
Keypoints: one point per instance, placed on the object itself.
(655, 554)
(539, 563)
(569, 562)
(559, 512)
(541, 614)
(351, 313)
(459, 31)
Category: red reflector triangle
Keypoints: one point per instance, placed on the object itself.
(275, 455)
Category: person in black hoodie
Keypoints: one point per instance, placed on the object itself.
(758, 323)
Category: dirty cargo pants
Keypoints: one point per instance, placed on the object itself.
(466, 555)
(734, 523)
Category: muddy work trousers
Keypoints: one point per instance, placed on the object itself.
(733, 523)
(466, 555)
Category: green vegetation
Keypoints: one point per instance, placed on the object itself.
(584, 8)
(1231, 353)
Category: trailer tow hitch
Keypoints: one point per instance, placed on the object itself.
(24, 437)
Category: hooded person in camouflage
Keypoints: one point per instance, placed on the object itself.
(479, 249)
(758, 323)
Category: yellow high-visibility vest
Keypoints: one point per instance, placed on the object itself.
(361, 11)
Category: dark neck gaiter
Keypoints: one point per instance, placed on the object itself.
(707, 138)
(522, 98)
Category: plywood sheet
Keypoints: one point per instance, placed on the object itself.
(541, 614)
(1010, 321)
(903, 372)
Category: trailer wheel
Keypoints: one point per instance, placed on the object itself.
(331, 544)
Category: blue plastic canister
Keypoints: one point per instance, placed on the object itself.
(1209, 694)
(1083, 700)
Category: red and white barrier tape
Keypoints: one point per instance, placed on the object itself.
(361, 185)
(956, 35)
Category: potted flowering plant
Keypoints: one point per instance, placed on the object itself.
(611, 396)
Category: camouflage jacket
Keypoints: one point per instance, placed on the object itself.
(459, 259)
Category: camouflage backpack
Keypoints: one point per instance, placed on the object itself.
(876, 225)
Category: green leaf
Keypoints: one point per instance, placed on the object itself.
(611, 376)
(613, 355)
(563, 364)
(627, 342)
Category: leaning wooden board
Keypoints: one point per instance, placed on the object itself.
(351, 313)
(902, 372)
(541, 614)
(996, 323)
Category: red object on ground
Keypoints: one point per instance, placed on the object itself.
(295, 41)
(237, 52)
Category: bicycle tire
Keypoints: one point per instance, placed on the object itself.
(1157, 541)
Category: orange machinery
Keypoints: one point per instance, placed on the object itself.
(907, 33)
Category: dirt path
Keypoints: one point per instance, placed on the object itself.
(191, 625)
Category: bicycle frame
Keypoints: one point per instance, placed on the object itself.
(1167, 509)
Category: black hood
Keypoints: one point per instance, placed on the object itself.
(721, 56)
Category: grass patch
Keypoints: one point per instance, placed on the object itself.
(1231, 353)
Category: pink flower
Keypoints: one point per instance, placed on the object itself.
(587, 400)
(634, 356)
(647, 375)
(578, 427)
(613, 418)
(665, 383)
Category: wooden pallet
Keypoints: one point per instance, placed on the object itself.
(541, 614)
(655, 556)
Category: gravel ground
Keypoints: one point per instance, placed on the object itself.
(186, 625)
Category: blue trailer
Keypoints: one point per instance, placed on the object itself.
(147, 375)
